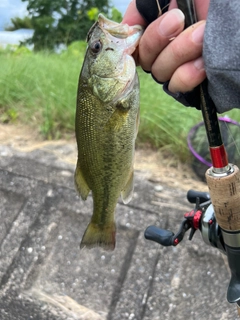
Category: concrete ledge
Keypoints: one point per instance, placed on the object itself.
(44, 275)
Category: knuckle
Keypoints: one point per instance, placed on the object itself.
(178, 51)
(187, 77)
(184, 84)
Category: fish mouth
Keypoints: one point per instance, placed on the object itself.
(131, 34)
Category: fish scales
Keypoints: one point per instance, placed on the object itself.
(107, 118)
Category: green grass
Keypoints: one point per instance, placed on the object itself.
(39, 89)
(164, 122)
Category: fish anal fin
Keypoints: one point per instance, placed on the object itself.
(99, 236)
(80, 183)
(127, 191)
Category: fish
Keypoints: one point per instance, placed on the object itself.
(106, 125)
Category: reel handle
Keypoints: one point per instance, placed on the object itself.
(161, 236)
(192, 196)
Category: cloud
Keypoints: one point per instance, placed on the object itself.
(11, 9)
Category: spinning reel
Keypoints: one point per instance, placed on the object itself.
(202, 218)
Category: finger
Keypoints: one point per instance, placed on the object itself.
(157, 36)
(186, 47)
(187, 76)
(132, 16)
(173, 4)
(201, 7)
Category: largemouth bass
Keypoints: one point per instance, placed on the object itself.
(107, 119)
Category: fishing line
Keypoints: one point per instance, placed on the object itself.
(228, 124)
(198, 144)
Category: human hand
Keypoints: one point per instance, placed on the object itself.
(167, 51)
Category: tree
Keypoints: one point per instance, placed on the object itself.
(61, 21)
(116, 15)
(113, 14)
(19, 23)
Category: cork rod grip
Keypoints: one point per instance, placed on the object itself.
(225, 196)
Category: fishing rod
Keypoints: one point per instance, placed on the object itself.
(217, 213)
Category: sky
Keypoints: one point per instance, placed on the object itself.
(16, 8)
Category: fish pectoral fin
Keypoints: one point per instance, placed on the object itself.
(80, 183)
(99, 236)
(127, 191)
(123, 105)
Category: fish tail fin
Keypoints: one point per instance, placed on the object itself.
(99, 236)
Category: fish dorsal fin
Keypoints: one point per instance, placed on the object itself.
(80, 183)
(127, 191)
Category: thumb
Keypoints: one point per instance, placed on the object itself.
(132, 15)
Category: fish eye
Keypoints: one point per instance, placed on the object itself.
(96, 46)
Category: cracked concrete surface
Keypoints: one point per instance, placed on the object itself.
(44, 275)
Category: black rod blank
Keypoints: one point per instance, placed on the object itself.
(207, 105)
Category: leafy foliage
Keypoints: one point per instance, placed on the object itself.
(93, 13)
(58, 22)
(115, 15)
(19, 23)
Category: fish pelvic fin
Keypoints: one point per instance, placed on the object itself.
(80, 183)
(127, 191)
(99, 236)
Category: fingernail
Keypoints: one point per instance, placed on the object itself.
(199, 63)
(171, 23)
(197, 35)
